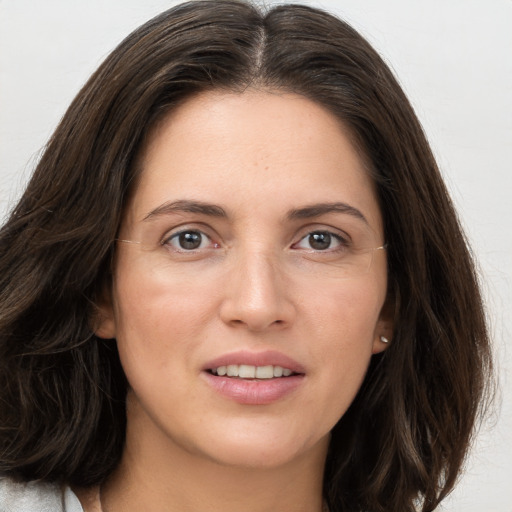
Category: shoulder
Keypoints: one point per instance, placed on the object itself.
(36, 497)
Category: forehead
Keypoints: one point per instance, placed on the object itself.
(270, 150)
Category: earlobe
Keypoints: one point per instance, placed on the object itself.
(103, 319)
(105, 327)
(383, 336)
(381, 343)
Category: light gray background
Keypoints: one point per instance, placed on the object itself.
(454, 59)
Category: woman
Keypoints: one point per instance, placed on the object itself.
(230, 283)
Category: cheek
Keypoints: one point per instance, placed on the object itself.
(346, 309)
(345, 319)
(157, 319)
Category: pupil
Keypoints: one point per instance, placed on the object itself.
(190, 240)
(320, 241)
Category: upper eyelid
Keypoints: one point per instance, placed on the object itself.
(176, 233)
(332, 233)
(322, 228)
(296, 237)
(204, 229)
(166, 242)
(342, 241)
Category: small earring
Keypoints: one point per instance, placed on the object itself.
(384, 339)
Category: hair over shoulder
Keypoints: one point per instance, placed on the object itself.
(403, 441)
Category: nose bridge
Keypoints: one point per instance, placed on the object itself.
(259, 270)
(256, 294)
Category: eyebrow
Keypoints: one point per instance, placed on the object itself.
(213, 210)
(315, 210)
(185, 206)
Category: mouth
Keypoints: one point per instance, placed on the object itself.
(254, 378)
(247, 371)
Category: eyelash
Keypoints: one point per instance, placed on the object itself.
(167, 241)
(342, 242)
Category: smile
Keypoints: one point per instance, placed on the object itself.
(247, 371)
(254, 378)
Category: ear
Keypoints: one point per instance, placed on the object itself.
(383, 335)
(103, 321)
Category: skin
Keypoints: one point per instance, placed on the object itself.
(255, 284)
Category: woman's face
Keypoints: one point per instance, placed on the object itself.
(245, 249)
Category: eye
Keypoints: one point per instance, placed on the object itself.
(189, 240)
(320, 241)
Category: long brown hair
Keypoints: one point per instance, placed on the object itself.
(403, 441)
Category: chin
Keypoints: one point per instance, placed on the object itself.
(254, 459)
(265, 453)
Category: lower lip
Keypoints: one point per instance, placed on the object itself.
(254, 392)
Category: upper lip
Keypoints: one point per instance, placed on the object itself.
(266, 358)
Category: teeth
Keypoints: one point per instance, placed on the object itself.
(232, 370)
(264, 372)
(278, 371)
(247, 371)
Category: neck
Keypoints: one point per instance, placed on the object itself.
(160, 476)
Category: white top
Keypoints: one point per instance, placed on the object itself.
(37, 497)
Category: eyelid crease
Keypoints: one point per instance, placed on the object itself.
(184, 228)
(309, 229)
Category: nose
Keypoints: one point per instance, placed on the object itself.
(256, 295)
